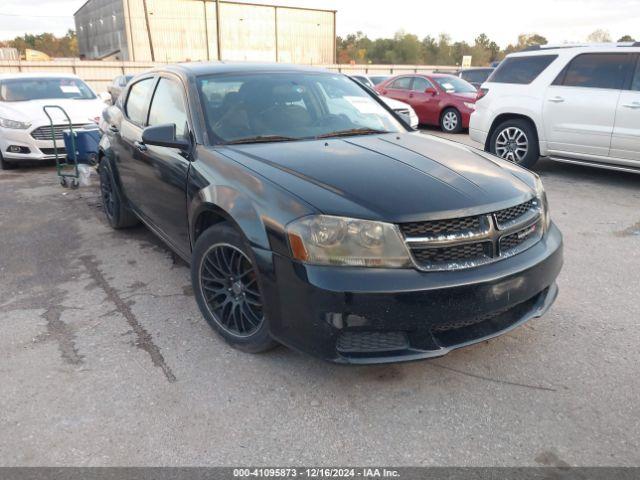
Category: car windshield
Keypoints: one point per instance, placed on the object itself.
(252, 108)
(455, 85)
(24, 89)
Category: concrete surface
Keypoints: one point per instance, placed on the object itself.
(105, 360)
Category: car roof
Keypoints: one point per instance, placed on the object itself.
(575, 49)
(8, 76)
(212, 68)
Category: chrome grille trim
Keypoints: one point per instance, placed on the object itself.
(524, 219)
(44, 132)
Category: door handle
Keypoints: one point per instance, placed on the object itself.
(113, 129)
(556, 99)
(634, 105)
(140, 146)
(411, 95)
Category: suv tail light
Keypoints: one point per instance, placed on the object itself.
(481, 93)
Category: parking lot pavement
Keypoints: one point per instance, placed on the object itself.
(105, 360)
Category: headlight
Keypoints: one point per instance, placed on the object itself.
(470, 106)
(6, 123)
(328, 240)
(541, 195)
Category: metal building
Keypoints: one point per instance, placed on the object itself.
(182, 30)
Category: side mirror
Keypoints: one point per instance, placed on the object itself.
(431, 91)
(164, 136)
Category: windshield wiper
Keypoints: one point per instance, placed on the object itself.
(352, 131)
(261, 139)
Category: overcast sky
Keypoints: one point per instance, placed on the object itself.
(502, 21)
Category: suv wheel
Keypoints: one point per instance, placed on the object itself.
(451, 121)
(118, 214)
(227, 289)
(516, 141)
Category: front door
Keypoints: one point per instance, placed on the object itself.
(580, 106)
(161, 172)
(625, 143)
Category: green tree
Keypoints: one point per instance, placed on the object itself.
(599, 36)
(526, 40)
(626, 38)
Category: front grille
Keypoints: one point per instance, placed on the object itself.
(510, 242)
(507, 215)
(457, 253)
(366, 342)
(44, 133)
(452, 244)
(454, 325)
(51, 151)
(441, 228)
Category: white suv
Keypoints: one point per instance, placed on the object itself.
(575, 104)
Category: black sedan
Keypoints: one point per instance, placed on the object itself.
(312, 216)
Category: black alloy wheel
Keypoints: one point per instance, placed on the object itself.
(230, 287)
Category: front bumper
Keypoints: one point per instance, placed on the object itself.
(351, 315)
(39, 150)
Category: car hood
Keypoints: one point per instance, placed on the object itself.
(391, 177)
(394, 104)
(80, 111)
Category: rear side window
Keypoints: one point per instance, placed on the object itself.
(475, 76)
(596, 70)
(138, 100)
(635, 85)
(168, 106)
(401, 83)
(521, 70)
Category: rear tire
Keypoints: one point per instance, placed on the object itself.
(227, 288)
(451, 121)
(117, 213)
(516, 140)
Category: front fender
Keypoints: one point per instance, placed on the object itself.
(256, 206)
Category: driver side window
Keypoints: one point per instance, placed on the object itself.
(168, 106)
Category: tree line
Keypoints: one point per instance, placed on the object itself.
(406, 48)
(65, 46)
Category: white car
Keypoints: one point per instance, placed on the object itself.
(574, 104)
(25, 131)
(405, 110)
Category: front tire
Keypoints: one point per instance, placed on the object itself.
(4, 165)
(227, 288)
(117, 213)
(451, 121)
(516, 141)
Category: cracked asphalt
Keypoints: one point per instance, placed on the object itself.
(105, 360)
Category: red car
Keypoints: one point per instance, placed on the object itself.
(438, 99)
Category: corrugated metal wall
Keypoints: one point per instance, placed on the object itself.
(305, 36)
(100, 29)
(247, 32)
(182, 30)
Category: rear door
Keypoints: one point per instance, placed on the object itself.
(580, 106)
(398, 89)
(425, 104)
(161, 172)
(625, 142)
